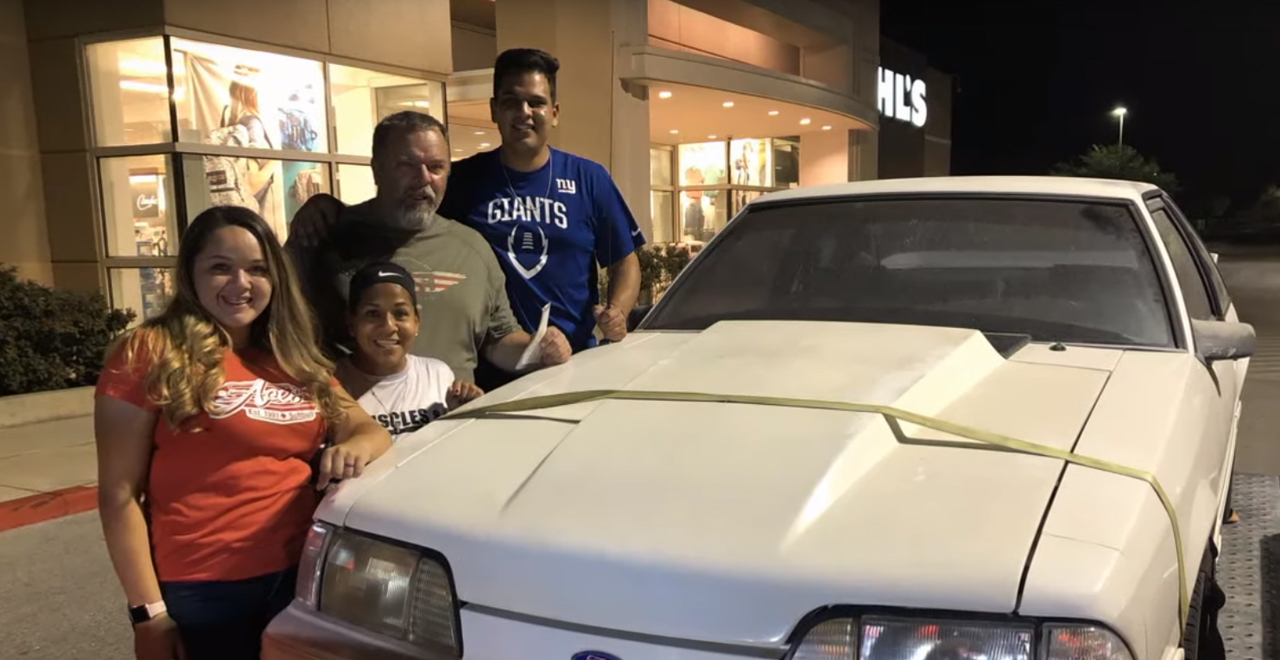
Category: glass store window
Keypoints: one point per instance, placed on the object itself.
(137, 204)
(243, 98)
(129, 92)
(661, 195)
(703, 213)
(786, 162)
(144, 290)
(355, 183)
(275, 189)
(361, 98)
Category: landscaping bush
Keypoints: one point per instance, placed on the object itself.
(52, 339)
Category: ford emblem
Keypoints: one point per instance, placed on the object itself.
(594, 655)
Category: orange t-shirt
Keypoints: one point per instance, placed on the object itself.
(233, 500)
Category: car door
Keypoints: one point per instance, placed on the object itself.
(1195, 271)
(1219, 298)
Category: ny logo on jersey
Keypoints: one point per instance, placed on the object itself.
(567, 186)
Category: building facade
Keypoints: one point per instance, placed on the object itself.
(127, 116)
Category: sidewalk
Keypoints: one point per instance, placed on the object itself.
(47, 470)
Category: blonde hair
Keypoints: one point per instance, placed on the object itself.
(183, 346)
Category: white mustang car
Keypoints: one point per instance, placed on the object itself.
(929, 419)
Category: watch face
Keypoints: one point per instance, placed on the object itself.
(139, 614)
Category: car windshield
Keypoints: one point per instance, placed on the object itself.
(1055, 270)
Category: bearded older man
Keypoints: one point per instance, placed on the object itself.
(465, 312)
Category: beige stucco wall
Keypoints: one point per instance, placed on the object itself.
(26, 239)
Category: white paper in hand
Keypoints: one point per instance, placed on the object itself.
(533, 354)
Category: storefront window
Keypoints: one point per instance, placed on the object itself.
(355, 183)
(742, 197)
(703, 213)
(702, 164)
(659, 167)
(752, 163)
(137, 203)
(361, 98)
(275, 189)
(129, 92)
(786, 162)
(661, 210)
(243, 98)
(146, 291)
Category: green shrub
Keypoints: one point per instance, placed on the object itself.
(52, 339)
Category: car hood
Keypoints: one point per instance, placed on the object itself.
(730, 522)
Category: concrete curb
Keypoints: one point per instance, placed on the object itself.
(23, 409)
(43, 507)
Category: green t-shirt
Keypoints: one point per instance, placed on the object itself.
(462, 297)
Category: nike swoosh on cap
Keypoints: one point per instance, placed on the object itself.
(382, 274)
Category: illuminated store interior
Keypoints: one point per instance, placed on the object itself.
(160, 160)
(712, 152)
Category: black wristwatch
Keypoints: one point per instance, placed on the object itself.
(145, 613)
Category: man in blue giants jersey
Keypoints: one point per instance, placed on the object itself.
(549, 215)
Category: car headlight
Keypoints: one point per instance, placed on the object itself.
(391, 589)
(900, 638)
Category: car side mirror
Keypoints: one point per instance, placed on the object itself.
(1223, 340)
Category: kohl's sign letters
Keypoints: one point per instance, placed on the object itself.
(903, 97)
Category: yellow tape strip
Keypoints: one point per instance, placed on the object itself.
(891, 415)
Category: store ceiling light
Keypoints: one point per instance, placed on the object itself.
(711, 137)
(479, 132)
(804, 122)
(826, 128)
(728, 104)
(675, 132)
(664, 94)
(773, 113)
(484, 145)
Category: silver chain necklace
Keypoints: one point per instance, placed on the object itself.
(551, 177)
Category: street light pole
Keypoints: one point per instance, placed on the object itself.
(1121, 112)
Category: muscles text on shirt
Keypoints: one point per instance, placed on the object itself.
(278, 403)
(407, 421)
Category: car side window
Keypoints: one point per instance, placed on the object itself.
(1222, 299)
(1194, 292)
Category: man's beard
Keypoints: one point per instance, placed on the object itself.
(414, 214)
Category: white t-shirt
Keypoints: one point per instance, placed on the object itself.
(405, 402)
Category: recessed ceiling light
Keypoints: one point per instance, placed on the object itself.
(674, 131)
(773, 113)
(479, 132)
(711, 137)
(804, 122)
(664, 95)
(484, 145)
(728, 104)
(826, 128)
(457, 151)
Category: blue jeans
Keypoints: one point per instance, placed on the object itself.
(224, 620)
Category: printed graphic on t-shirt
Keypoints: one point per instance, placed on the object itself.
(527, 244)
(278, 403)
(408, 421)
(436, 281)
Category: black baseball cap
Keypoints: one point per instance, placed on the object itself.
(380, 273)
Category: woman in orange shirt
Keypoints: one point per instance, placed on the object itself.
(207, 419)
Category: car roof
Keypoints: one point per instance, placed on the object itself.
(1038, 185)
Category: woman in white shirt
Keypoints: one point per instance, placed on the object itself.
(402, 392)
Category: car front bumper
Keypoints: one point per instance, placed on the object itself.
(301, 634)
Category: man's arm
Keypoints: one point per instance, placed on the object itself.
(505, 341)
(617, 239)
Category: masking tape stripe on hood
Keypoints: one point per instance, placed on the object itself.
(892, 416)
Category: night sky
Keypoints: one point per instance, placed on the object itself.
(1038, 80)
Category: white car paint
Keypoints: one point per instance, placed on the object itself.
(705, 531)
